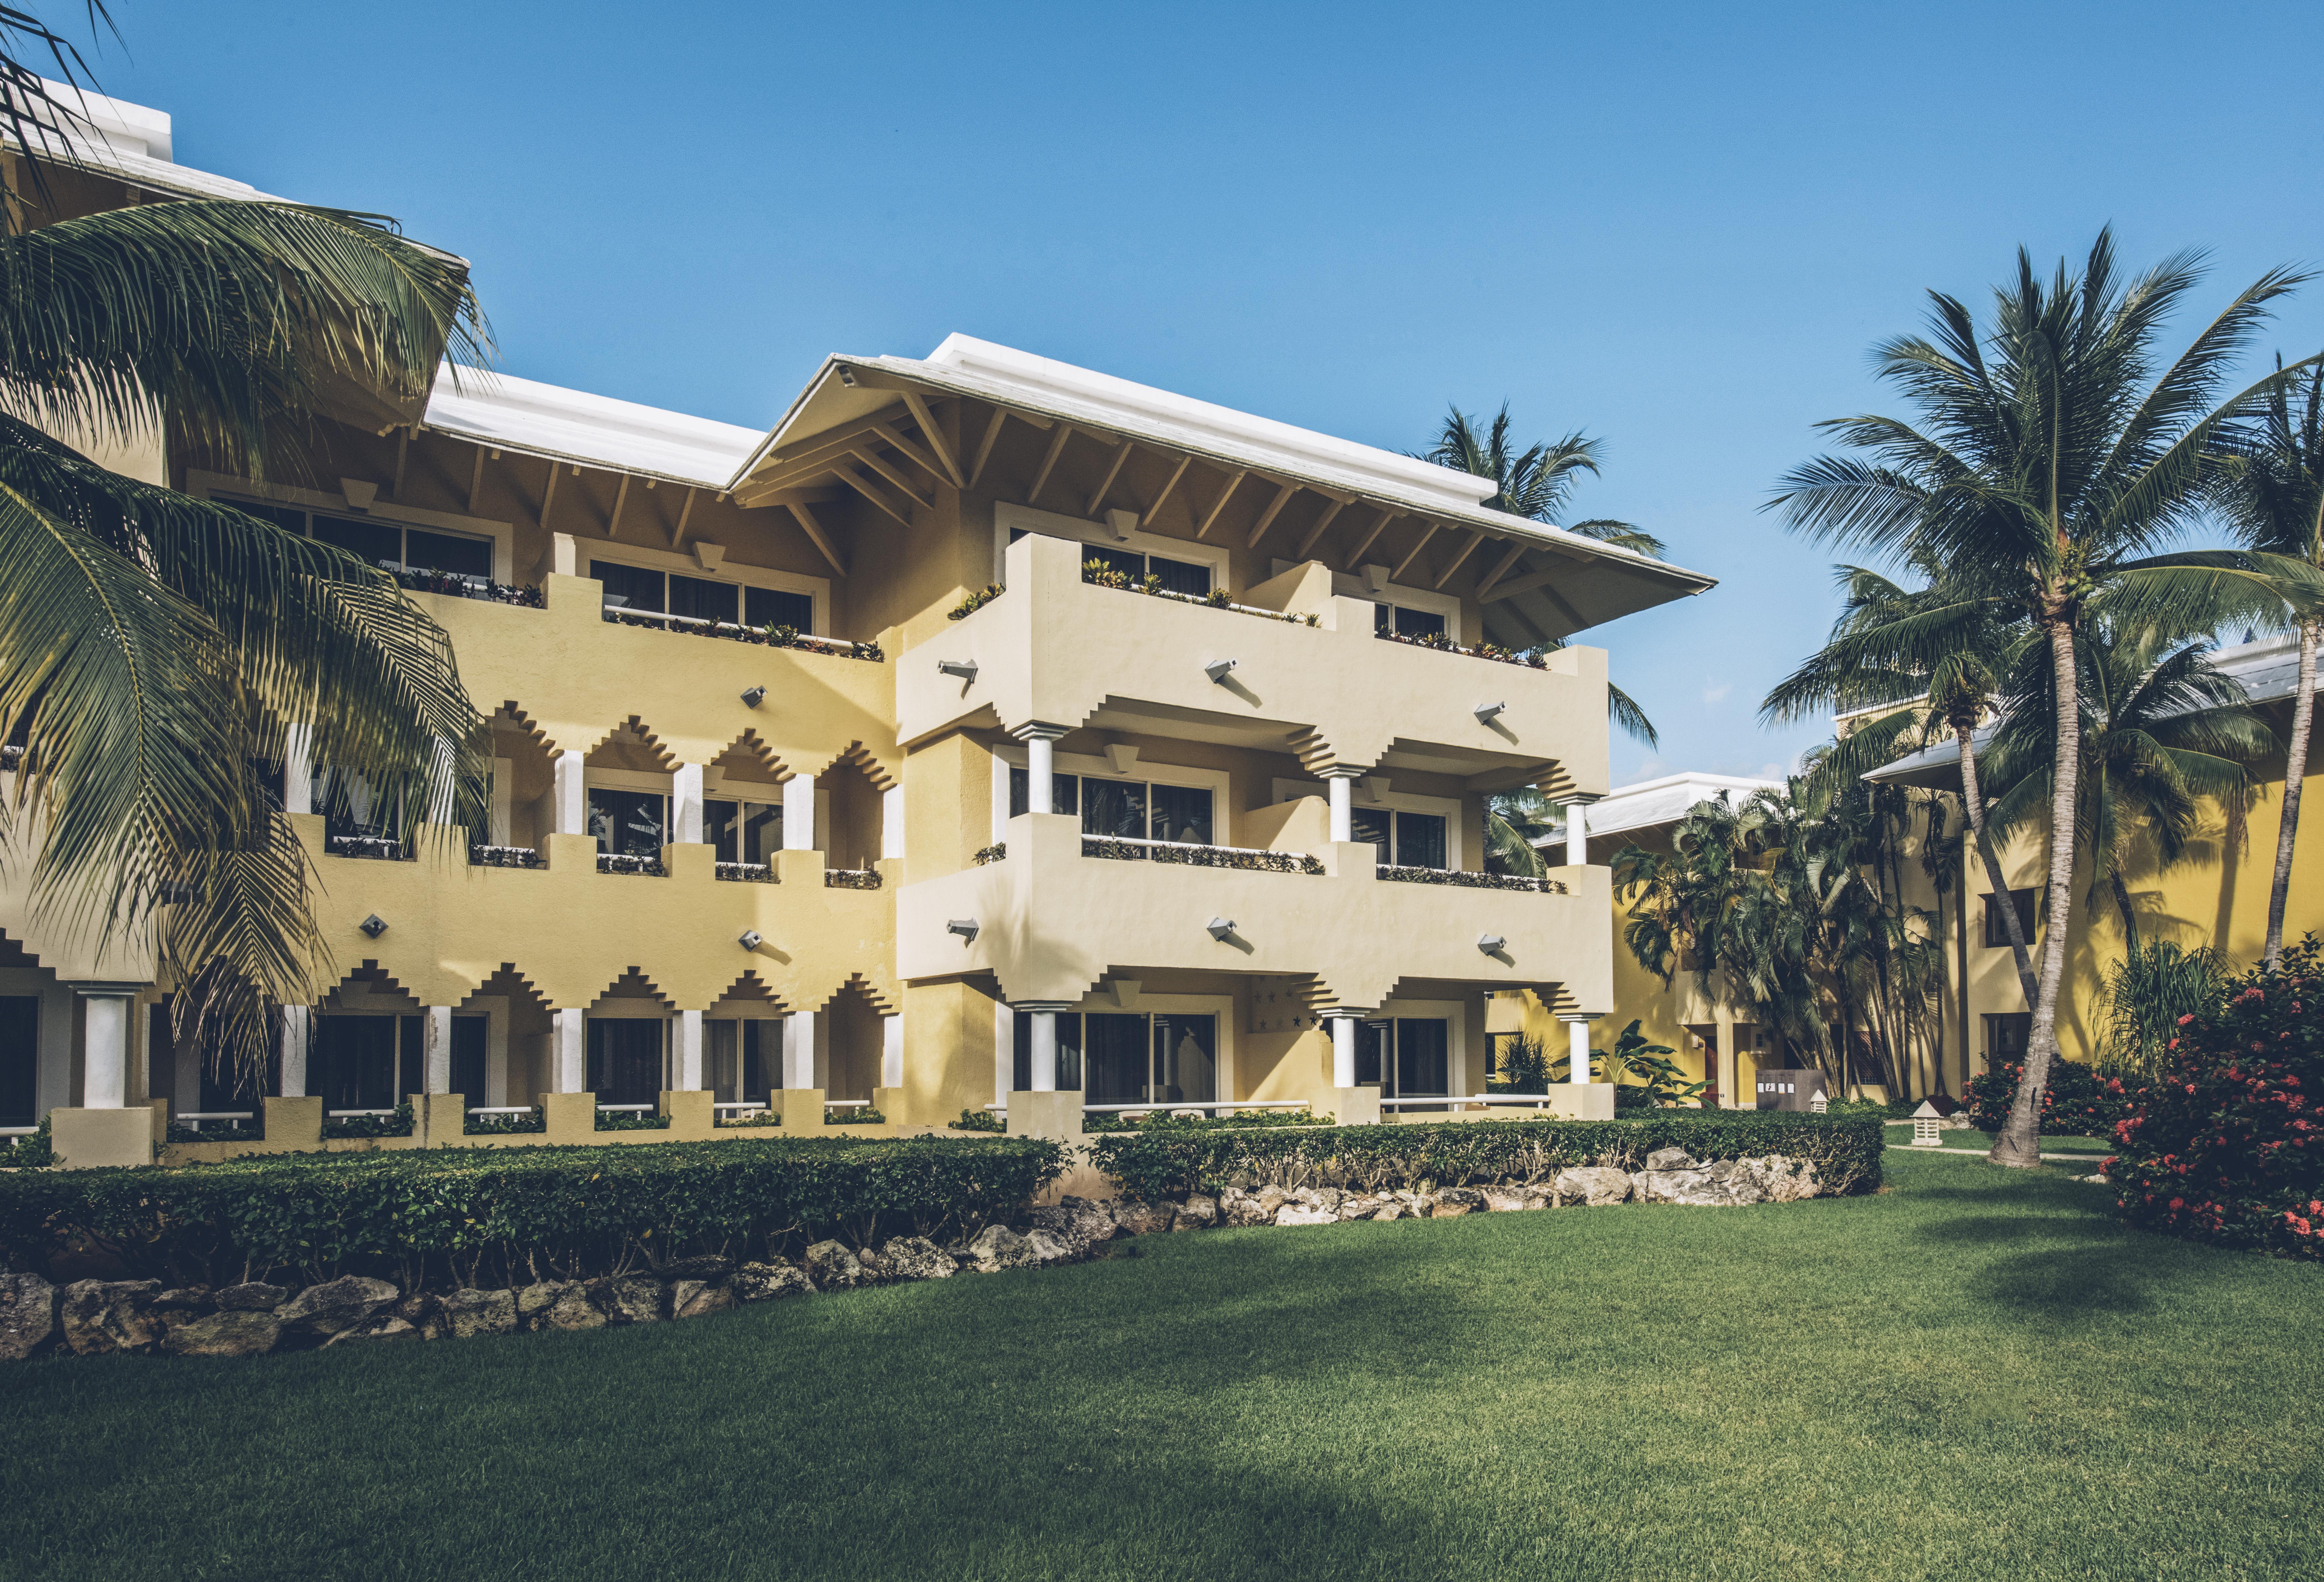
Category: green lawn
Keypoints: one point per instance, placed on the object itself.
(1974, 1375)
(1980, 1141)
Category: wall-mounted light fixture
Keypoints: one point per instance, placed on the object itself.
(965, 927)
(1219, 669)
(1221, 928)
(963, 668)
(754, 697)
(1489, 712)
(750, 939)
(847, 376)
(1492, 944)
(373, 925)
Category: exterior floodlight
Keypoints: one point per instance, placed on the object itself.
(963, 668)
(847, 376)
(373, 925)
(750, 939)
(1219, 669)
(1221, 927)
(754, 697)
(1489, 712)
(1491, 943)
(963, 926)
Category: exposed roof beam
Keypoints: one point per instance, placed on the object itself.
(1500, 568)
(1113, 470)
(1521, 584)
(934, 436)
(1184, 463)
(620, 499)
(548, 495)
(913, 453)
(475, 481)
(806, 515)
(1056, 448)
(1380, 525)
(872, 458)
(678, 533)
(1273, 509)
(1557, 602)
(1466, 550)
(1514, 613)
(1219, 504)
(1307, 539)
(830, 439)
(862, 485)
(1427, 532)
(984, 446)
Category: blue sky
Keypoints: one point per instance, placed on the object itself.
(1679, 227)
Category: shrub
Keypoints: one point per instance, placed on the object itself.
(505, 1216)
(2075, 1102)
(506, 1126)
(1170, 1161)
(747, 1117)
(1162, 1120)
(31, 1152)
(2227, 1144)
(978, 1120)
(631, 1120)
(973, 603)
(396, 1124)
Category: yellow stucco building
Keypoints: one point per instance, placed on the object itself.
(977, 827)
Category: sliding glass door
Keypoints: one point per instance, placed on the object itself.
(1410, 1057)
(1163, 1059)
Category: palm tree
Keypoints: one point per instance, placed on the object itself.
(1515, 823)
(2272, 466)
(155, 646)
(1535, 484)
(2048, 464)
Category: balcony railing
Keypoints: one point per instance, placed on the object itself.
(1467, 879)
(1123, 850)
(1530, 658)
(378, 848)
(505, 857)
(850, 878)
(749, 873)
(619, 862)
(769, 636)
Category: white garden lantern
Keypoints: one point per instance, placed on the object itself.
(1818, 1104)
(1926, 1126)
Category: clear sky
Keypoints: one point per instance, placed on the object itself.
(1678, 226)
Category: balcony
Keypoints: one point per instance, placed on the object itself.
(1057, 912)
(1056, 649)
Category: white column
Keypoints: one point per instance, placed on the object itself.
(798, 816)
(1344, 808)
(891, 824)
(891, 1051)
(436, 1048)
(1577, 831)
(1577, 1044)
(105, 1043)
(298, 769)
(798, 1050)
(1040, 765)
(1044, 1052)
(296, 1022)
(688, 1076)
(439, 783)
(685, 804)
(569, 1045)
(1343, 1045)
(572, 811)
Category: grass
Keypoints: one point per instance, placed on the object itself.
(1978, 1374)
(2099, 1148)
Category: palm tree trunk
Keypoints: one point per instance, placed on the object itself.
(2295, 771)
(1973, 802)
(1960, 961)
(2019, 1145)
(2122, 905)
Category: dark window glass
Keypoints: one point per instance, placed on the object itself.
(1115, 1054)
(1185, 1059)
(762, 1053)
(722, 827)
(1373, 1040)
(20, 1059)
(1419, 840)
(1113, 807)
(1996, 927)
(369, 542)
(288, 517)
(353, 1066)
(701, 599)
(1069, 1053)
(1180, 576)
(762, 832)
(2006, 1037)
(628, 587)
(1418, 623)
(1366, 823)
(1183, 813)
(470, 1037)
(630, 824)
(765, 607)
(351, 807)
(1064, 791)
(625, 1060)
(452, 552)
(1383, 619)
(1132, 566)
(1422, 1066)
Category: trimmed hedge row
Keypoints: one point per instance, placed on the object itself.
(505, 1216)
(1160, 1163)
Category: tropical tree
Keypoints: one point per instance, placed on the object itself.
(2272, 467)
(155, 646)
(1515, 823)
(1536, 483)
(2050, 462)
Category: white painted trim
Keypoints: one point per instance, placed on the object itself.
(207, 485)
(1351, 586)
(586, 550)
(1050, 524)
(624, 780)
(1449, 807)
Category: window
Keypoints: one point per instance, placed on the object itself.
(1130, 810)
(1404, 622)
(1069, 1051)
(20, 1059)
(1408, 1056)
(744, 1058)
(743, 832)
(352, 808)
(1404, 840)
(629, 823)
(366, 1061)
(471, 1037)
(639, 587)
(1996, 927)
(213, 1090)
(376, 542)
(2006, 1037)
(1147, 1059)
(1175, 576)
(625, 1059)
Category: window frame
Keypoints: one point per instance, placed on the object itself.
(1100, 535)
(1996, 935)
(1453, 810)
(226, 490)
(1012, 756)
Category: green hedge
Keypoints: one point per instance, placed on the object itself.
(1167, 1163)
(443, 1217)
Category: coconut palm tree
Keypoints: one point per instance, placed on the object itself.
(2271, 466)
(2050, 461)
(1536, 483)
(153, 646)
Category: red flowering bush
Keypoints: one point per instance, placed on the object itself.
(2227, 1144)
(2076, 1101)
